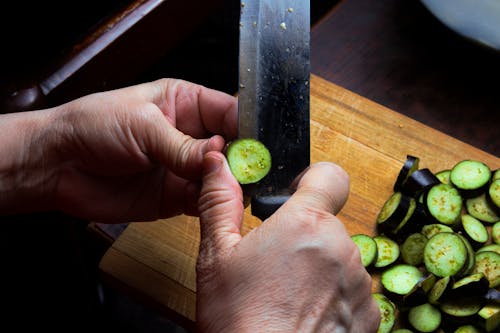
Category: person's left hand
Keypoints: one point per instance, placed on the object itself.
(130, 154)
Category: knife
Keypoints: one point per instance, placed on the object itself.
(273, 96)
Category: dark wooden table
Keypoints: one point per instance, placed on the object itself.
(396, 53)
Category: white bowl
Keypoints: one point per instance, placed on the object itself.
(478, 20)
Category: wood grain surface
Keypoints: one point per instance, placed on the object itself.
(398, 54)
(155, 261)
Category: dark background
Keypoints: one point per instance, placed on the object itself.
(36, 34)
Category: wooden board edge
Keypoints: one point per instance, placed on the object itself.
(169, 298)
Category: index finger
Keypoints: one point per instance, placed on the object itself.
(323, 186)
(200, 111)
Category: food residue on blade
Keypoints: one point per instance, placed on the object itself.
(283, 25)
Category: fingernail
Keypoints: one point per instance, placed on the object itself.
(211, 164)
(215, 143)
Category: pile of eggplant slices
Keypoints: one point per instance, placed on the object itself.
(437, 250)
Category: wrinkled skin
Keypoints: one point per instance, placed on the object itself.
(124, 155)
(154, 150)
(298, 272)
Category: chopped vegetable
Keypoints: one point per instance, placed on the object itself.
(470, 177)
(488, 263)
(400, 279)
(495, 233)
(445, 254)
(387, 313)
(481, 209)
(425, 317)
(412, 249)
(444, 204)
(438, 250)
(367, 248)
(249, 160)
(387, 251)
(408, 168)
(475, 230)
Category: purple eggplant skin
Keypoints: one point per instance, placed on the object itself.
(495, 206)
(392, 221)
(410, 165)
(418, 182)
(418, 294)
(474, 285)
(415, 223)
(492, 296)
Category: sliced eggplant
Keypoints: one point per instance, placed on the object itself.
(468, 329)
(493, 195)
(488, 263)
(419, 293)
(444, 204)
(387, 312)
(393, 212)
(425, 317)
(481, 209)
(412, 249)
(445, 227)
(489, 317)
(473, 285)
(249, 160)
(440, 289)
(430, 230)
(462, 307)
(444, 176)
(495, 233)
(410, 166)
(408, 224)
(418, 182)
(471, 257)
(474, 230)
(445, 254)
(490, 247)
(367, 248)
(400, 279)
(387, 251)
(470, 177)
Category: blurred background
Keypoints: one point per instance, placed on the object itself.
(200, 41)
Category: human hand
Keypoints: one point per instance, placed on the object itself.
(298, 272)
(123, 155)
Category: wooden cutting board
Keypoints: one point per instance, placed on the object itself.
(155, 261)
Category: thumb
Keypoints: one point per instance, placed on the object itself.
(180, 152)
(323, 186)
(220, 207)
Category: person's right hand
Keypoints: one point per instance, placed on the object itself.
(298, 272)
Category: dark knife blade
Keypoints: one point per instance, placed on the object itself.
(274, 74)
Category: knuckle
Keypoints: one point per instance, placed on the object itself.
(206, 264)
(188, 149)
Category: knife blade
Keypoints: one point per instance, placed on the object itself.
(273, 96)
